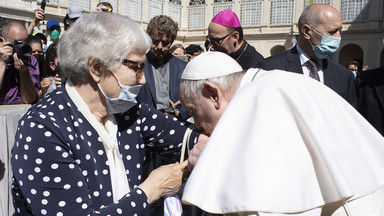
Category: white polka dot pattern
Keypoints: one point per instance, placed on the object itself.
(60, 165)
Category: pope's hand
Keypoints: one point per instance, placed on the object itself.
(195, 153)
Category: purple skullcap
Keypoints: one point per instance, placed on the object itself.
(227, 18)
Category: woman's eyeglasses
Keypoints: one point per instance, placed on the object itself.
(136, 66)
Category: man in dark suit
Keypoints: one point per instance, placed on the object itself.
(371, 106)
(319, 38)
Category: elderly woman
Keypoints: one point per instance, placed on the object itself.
(80, 151)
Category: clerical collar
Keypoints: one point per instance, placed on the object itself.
(239, 52)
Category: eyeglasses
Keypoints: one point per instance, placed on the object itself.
(163, 43)
(136, 66)
(217, 41)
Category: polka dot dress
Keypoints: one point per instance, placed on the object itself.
(60, 166)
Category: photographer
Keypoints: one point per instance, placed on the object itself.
(19, 75)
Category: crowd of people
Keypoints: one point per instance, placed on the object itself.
(121, 117)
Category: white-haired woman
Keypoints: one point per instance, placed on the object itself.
(80, 150)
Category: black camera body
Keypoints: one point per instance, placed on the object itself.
(43, 3)
(23, 51)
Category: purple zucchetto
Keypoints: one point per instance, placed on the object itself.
(227, 18)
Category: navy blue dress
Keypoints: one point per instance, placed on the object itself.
(60, 166)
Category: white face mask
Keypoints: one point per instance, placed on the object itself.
(126, 99)
(45, 47)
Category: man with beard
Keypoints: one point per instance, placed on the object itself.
(163, 70)
(163, 73)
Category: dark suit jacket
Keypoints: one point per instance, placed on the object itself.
(371, 105)
(336, 77)
(148, 92)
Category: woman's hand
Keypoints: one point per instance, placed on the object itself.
(165, 180)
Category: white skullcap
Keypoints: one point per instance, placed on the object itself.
(210, 65)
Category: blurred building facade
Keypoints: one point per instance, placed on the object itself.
(269, 25)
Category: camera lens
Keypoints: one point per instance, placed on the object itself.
(25, 50)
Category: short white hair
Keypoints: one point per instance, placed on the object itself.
(190, 90)
(108, 37)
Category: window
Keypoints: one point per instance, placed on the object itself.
(114, 3)
(221, 5)
(251, 12)
(155, 8)
(81, 3)
(328, 2)
(175, 11)
(354, 10)
(196, 14)
(281, 12)
(133, 9)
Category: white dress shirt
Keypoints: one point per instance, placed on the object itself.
(303, 59)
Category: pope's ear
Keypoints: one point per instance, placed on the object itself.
(213, 92)
(95, 69)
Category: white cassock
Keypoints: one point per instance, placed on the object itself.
(287, 144)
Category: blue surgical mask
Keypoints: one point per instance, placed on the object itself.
(126, 99)
(327, 47)
(354, 73)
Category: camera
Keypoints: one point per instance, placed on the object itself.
(43, 3)
(23, 51)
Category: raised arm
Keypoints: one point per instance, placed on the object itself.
(27, 78)
(38, 16)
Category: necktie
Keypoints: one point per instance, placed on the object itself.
(313, 69)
